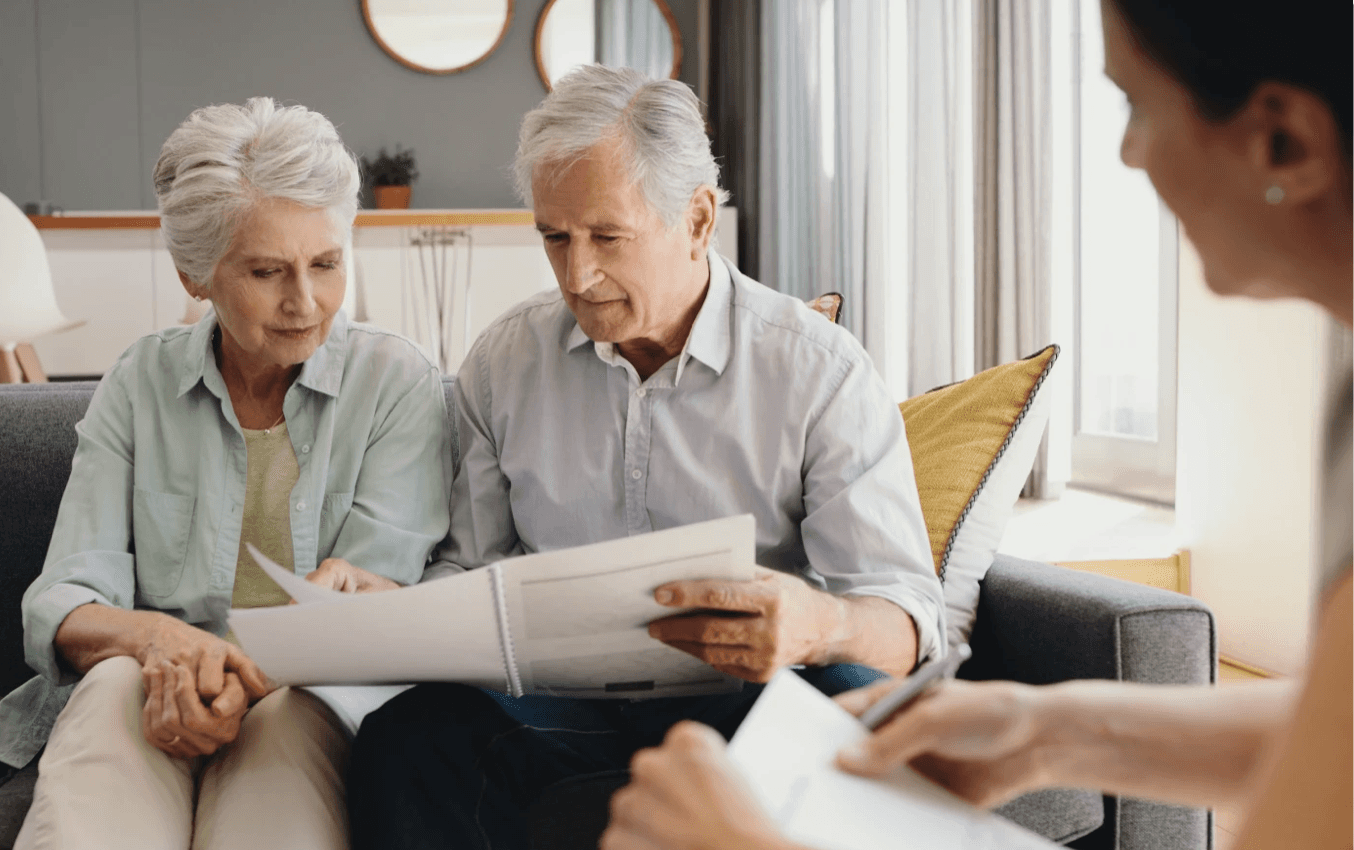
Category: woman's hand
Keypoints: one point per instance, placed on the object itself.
(175, 719)
(982, 741)
(686, 795)
(338, 574)
(208, 659)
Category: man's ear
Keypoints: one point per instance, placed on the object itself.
(1295, 143)
(194, 290)
(700, 220)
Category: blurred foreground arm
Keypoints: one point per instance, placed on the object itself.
(989, 742)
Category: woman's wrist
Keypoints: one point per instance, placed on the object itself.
(1077, 745)
(95, 632)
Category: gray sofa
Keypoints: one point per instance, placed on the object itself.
(1036, 623)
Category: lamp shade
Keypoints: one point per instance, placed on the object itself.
(27, 303)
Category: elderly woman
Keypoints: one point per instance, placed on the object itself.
(272, 421)
(1241, 116)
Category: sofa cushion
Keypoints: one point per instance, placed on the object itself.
(973, 444)
(16, 795)
(1058, 814)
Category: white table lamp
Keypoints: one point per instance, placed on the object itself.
(28, 305)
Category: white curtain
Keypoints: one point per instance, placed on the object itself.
(905, 162)
(1015, 178)
(633, 34)
(933, 146)
(821, 148)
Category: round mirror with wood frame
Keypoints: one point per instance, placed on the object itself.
(438, 36)
(640, 34)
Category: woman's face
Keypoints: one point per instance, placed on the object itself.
(278, 286)
(1204, 171)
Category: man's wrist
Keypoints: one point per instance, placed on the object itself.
(836, 630)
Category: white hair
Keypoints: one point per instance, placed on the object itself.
(659, 123)
(224, 159)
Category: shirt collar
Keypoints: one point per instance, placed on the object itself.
(322, 371)
(710, 339)
(711, 334)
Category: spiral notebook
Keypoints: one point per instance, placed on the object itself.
(570, 622)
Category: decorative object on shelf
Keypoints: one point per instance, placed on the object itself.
(28, 305)
(441, 282)
(438, 36)
(391, 177)
(639, 34)
(42, 208)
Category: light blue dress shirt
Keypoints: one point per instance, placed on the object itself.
(769, 410)
(151, 517)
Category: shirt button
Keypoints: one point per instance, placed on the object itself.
(301, 505)
(636, 474)
(642, 392)
(305, 450)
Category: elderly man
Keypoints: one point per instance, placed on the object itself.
(658, 387)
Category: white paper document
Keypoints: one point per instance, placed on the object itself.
(786, 748)
(569, 622)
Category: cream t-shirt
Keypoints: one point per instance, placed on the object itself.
(271, 475)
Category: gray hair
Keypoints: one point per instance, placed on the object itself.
(224, 159)
(659, 122)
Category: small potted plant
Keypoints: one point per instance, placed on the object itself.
(391, 178)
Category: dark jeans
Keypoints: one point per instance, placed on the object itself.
(451, 766)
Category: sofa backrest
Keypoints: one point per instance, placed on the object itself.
(37, 443)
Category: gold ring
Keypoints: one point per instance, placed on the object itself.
(175, 741)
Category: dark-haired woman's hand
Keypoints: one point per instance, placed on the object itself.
(687, 795)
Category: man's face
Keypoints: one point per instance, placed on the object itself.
(626, 276)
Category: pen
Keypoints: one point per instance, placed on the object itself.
(913, 686)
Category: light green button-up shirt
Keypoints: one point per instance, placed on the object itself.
(151, 517)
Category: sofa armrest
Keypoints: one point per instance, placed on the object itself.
(1040, 624)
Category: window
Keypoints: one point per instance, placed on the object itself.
(1125, 281)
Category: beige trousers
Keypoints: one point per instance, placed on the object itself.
(102, 785)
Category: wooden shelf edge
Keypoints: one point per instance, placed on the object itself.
(365, 218)
(1250, 670)
(96, 222)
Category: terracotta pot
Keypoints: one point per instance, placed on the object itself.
(392, 197)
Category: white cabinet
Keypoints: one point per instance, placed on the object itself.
(108, 279)
(480, 271)
(122, 282)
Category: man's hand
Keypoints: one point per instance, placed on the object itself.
(772, 621)
(175, 719)
(207, 658)
(338, 574)
(979, 740)
(686, 795)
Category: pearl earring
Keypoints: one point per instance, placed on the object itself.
(1274, 195)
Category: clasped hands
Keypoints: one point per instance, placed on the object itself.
(198, 686)
(750, 629)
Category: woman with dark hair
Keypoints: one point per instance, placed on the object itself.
(1241, 118)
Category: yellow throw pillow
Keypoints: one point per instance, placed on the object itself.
(973, 444)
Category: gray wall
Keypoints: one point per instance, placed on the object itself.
(89, 89)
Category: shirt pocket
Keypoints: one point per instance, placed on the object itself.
(332, 516)
(161, 525)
